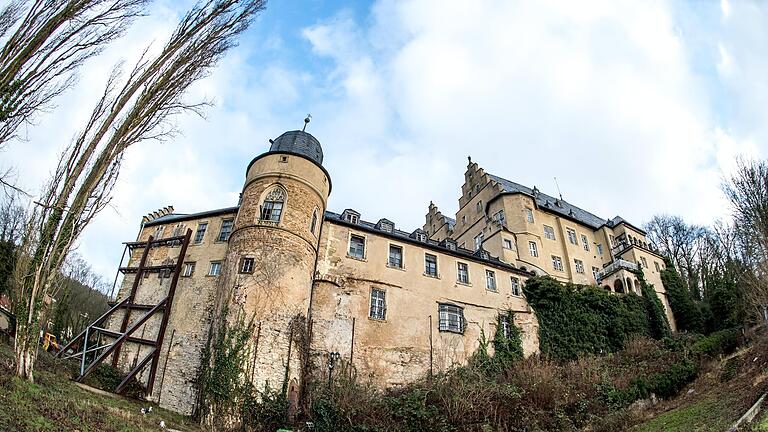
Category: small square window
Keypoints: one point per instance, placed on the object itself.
(451, 318)
(507, 244)
(246, 265)
(549, 232)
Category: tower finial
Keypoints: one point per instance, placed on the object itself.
(469, 158)
(306, 122)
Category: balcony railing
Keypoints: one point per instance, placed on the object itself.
(616, 266)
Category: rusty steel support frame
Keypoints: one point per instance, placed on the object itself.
(124, 335)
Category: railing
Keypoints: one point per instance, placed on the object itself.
(616, 266)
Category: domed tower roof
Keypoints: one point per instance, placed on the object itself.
(299, 142)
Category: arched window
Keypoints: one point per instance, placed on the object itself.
(618, 286)
(313, 225)
(272, 207)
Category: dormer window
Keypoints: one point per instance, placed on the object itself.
(451, 245)
(421, 237)
(385, 225)
(351, 216)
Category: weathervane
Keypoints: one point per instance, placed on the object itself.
(306, 122)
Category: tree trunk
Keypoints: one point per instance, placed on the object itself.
(26, 350)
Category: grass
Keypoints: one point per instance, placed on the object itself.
(55, 403)
(761, 423)
(703, 416)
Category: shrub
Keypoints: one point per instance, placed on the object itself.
(687, 315)
(576, 319)
(267, 411)
(720, 342)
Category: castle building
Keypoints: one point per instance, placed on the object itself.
(395, 304)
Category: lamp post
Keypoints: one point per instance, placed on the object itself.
(333, 357)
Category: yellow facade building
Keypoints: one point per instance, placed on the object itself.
(394, 304)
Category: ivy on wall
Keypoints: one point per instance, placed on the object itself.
(576, 319)
(687, 315)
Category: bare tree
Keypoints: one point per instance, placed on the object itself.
(133, 109)
(682, 243)
(747, 190)
(44, 43)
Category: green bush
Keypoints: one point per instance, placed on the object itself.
(657, 319)
(687, 315)
(266, 411)
(665, 384)
(720, 342)
(576, 319)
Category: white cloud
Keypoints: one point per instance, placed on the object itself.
(605, 95)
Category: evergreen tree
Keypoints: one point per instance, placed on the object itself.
(687, 315)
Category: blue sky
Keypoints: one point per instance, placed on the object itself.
(637, 108)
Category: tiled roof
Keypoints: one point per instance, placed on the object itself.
(555, 205)
(299, 142)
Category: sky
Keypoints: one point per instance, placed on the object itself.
(638, 108)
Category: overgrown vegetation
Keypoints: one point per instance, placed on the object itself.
(582, 319)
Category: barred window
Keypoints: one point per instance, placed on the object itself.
(357, 246)
(451, 318)
(200, 233)
(395, 256)
(463, 272)
(226, 229)
(378, 304)
(246, 265)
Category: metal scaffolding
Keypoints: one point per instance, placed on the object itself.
(98, 342)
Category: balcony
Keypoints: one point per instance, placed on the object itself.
(615, 266)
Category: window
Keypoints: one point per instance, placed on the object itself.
(600, 249)
(533, 249)
(388, 227)
(395, 256)
(177, 230)
(645, 263)
(313, 224)
(507, 244)
(271, 211)
(226, 229)
(215, 268)
(572, 236)
(579, 266)
(585, 242)
(549, 232)
(246, 265)
(188, 270)
(430, 265)
(529, 214)
(451, 318)
(421, 237)
(357, 246)
(499, 217)
(490, 280)
(378, 304)
(595, 272)
(658, 268)
(200, 233)
(557, 263)
(159, 232)
(612, 240)
(479, 206)
(505, 325)
(479, 241)
(272, 208)
(515, 286)
(352, 218)
(462, 273)
(464, 220)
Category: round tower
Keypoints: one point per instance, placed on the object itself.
(272, 253)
